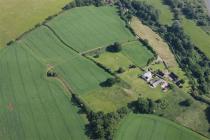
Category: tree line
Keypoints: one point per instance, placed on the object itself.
(191, 9)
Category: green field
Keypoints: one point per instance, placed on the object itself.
(87, 28)
(198, 36)
(149, 127)
(32, 106)
(36, 107)
(109, 99)
(137, 53)
(81, 74)
(132, 53)
(166, 16)
(18, 16)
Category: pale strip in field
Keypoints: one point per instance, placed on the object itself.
(155, 41)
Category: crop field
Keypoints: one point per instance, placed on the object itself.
(46, 47)
(80, 73)
(14, 20)
(149, 127)
(199, 37)
(166, 16)
(90, 27)
(32, 106)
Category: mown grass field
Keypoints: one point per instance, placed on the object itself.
(87, 28)
(149, 127)
(32, 106)
(166, 16)
(18, 16)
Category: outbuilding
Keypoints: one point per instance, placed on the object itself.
(147, 76)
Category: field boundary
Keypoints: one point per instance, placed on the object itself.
(59, 38)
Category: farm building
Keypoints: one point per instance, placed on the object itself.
(173, 77)
(160, 74)
(165, 85)
(155, 83)
(147, 76)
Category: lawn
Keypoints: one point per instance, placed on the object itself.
(166, 16)
(31, 105)
(90, 27)
(149, 127)
(18, 16)
(198, 36)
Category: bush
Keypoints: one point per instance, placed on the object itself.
(51, 74)
(120, 70)
(116, 47)
(143, 105)
(110, 82)
(187, 102)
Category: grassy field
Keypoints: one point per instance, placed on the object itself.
(81, 74)
(137, 53)
(149, 127)
(166, 16)
(14, 20)
(155, 41)
(193, 117)
(109, 99)
(32, 106)
(87, 28)
(199, 37)
(132, 53)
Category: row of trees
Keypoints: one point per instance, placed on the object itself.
(194, 62)
(191, 9)
(79, 3)
(147, 13)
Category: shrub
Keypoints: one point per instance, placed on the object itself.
(51, 74)
(110, 82)
(120, 70)
(116, 47)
